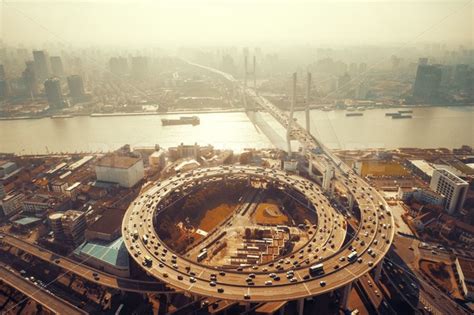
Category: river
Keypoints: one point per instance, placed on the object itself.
(430, 127)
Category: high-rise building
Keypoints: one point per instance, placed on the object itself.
(76, 86)
(118, 65)
(29, 79)
(2, 191)
(57, 66)
(139, 67)
(427, 82)
(453, 188)
(2, 73)
(52, 88)
(4, 89)
(42, 66)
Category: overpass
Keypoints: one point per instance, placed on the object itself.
(86, 272)
(41, 296)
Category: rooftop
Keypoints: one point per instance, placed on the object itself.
(108, 222)
(451, 177)
(424, 166)
(114, 253)
(118, 161)
(26, 220)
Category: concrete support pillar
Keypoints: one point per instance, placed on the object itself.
(248, 306)
(308, 93)
(350, 200)
(281, 311)
(378, 271)
(345, 296)
(290, 122)
(255, 74)
(300, 306)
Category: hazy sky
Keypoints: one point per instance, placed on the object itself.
(215, 22)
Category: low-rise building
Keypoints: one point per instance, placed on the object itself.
(157, 159)
(465, 276)
(111, 257)
(107, 227)
(424, 219)
(73, 190)
(74, 226)
(68, 227)
(127, 171)
(7, 168)
(12, 204)
(58, 186)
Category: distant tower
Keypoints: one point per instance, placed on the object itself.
(308, 98)
(29, 79)
(290, 122)
(76, 86)
(42, 67)
(57, 66)
(52, 88)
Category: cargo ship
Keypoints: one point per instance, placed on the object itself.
(392, 114)
(408, 111)
(400, 116)
(184, 120)
(354, 114)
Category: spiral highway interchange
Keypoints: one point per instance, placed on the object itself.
(255, 283)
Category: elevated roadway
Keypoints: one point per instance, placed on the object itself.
(84, 271)
(41, 296)
(252, 283)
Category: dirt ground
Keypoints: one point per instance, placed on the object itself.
(269, 213)
(381, 168)
(449, 283)
(215, 216)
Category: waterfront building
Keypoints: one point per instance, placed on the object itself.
(453, 188)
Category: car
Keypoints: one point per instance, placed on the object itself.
(192, 279)
(247, 296)
(322, 283)
(212, 283)
(180, 277)
(220, 290)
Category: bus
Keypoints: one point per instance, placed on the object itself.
(352, 256)
(201, 256)
(316, 269)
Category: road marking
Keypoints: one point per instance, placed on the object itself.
(304, 284)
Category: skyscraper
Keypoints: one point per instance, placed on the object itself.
(427, 82)
(29, 79)
(4, 89)
(53, 92)
(2, 72)
(118, 65)
(76, 86)
(139, 67)
(42, 67)
(57, 66)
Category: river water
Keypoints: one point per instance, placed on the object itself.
(429, 128)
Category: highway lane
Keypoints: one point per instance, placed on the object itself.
(41, 296)
(191, 276)
(84, 271)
